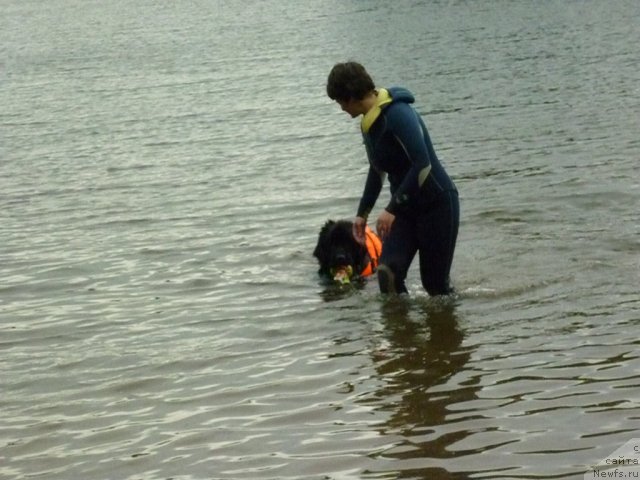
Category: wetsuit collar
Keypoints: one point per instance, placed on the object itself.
(370, 117)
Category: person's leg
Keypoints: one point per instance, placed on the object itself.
(437, 234)
(398, 250)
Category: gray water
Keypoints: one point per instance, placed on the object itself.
(165, 169)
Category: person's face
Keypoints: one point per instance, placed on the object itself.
(350, 106)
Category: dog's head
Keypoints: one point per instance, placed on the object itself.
(339, 255)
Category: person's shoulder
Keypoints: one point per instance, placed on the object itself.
(400, 117)
(398, 112)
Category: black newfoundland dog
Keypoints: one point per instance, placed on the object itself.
(341, 257)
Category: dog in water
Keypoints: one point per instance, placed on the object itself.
(341, 257)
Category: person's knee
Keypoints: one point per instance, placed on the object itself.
(386, 279)
(390, 279)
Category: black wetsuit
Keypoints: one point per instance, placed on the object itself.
(424, 199)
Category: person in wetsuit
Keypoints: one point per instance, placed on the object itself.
(424, 212)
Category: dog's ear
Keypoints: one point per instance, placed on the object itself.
(323, 258)
(321, 252)
(318, 252)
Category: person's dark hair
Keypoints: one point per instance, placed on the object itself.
(349, 81)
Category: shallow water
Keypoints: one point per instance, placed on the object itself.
(165, 169)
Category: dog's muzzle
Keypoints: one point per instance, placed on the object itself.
(342, 275)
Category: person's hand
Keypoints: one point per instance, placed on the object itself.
(383, 226)
(359, 225)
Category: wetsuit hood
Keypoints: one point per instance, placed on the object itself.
(385, 98)
(401, 94)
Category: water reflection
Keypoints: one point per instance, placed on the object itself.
(332, 291)
(424, 353)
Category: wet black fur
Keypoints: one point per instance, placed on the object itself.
(337, 248)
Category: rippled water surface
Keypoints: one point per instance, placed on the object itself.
(165, 169)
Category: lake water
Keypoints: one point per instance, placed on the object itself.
(165, 168)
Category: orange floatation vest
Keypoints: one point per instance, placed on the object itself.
(374, 248)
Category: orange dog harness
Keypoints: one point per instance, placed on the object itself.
(374, 248)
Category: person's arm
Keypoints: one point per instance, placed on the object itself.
(372, 188)
(405, 125)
